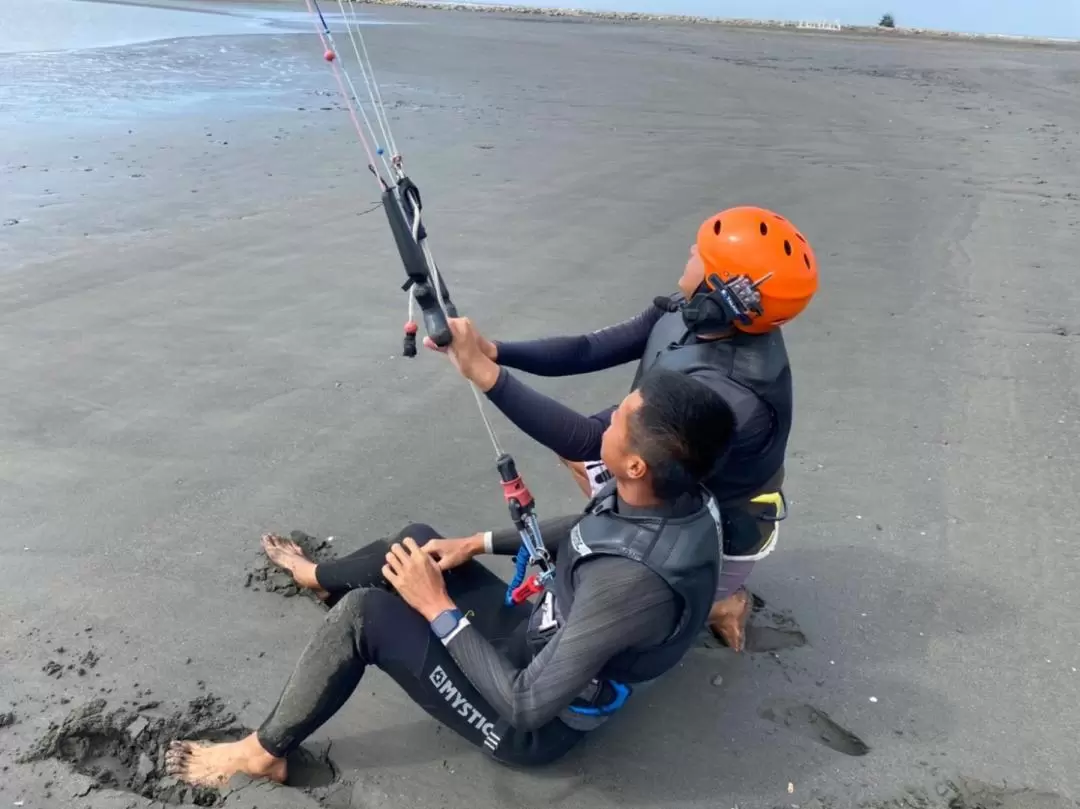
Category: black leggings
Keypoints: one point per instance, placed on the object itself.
(371, 625)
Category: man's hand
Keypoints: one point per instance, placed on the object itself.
(451, 553)
(470, 352)
(416, 578)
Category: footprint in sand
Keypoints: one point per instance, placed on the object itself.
(811, 723)
(770, 630)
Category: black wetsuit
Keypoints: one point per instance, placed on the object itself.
(563, 430)
(753, 462)
(485, 676)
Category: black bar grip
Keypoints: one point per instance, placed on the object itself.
(451, 309)
(411, 205)
(416, 268)
(434, 318)
(412, 257)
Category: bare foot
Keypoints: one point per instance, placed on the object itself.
(212, 765)
(727, 619)
(290, 557)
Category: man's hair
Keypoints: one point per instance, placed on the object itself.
(681, 430)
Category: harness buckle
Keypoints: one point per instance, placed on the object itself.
(774, 499)
(621, 691)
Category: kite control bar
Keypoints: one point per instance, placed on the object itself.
(523, 514)
(400, 198)
(402, 204)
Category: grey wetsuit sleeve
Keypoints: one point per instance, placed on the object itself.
(506, 541)
(618, 604)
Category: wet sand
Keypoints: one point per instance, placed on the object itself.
(201, 318)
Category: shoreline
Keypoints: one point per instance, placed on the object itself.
(728, 22)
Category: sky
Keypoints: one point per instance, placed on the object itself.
(1047, 18)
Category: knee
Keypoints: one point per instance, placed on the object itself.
(351, 604)
(360, 610)
(344, 623)
(420, 533)
(389, 629)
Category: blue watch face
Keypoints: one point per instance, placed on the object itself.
(445, 622)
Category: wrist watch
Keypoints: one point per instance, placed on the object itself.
(446, 622)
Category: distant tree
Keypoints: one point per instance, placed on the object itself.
(887, 21)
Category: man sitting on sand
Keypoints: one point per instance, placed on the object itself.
(749, 257)
(635, 577)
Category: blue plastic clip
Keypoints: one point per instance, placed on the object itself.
(622, 694)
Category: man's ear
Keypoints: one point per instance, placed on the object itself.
(636, 468)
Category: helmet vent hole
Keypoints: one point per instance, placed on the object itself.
(806, 260)
(717, 227)
(787, 247)
(799, 236)
(764, 229)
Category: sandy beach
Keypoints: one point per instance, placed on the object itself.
(201, 323)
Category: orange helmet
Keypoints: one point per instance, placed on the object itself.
(768, 251)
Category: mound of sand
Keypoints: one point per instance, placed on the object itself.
(125, 749)
(265, 576)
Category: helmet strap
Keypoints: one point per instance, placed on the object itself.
(719, 304)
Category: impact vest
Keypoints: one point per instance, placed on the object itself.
(683, 551)
(744, 369)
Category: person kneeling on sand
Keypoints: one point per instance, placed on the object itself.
(749, 272)
(635, 577)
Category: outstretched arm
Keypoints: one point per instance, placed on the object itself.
(560, 429)
(581, 354)
(565, 432)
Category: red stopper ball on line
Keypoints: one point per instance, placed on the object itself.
(329, 56)
(410, 327)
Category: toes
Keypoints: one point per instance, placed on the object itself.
(177, 757)
(276, 548)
